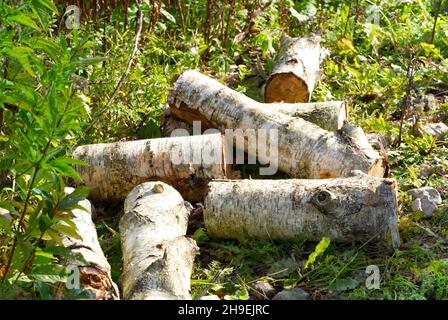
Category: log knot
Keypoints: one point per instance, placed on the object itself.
(335, 205)
(158, 188)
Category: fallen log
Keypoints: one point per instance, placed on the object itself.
(96, 275)
(358, 208)
(304, 149)
(187, 163)
(296, 70)
(328, 115)
(157, 256)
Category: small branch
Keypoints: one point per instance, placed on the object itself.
(207, 22)
(126, 72)
(406, 100)
(229, 15)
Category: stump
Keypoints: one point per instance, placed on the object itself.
(296, 70)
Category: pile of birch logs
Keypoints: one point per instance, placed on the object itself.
(337, 186)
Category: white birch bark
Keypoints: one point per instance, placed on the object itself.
(296, 70)
(187, 163)
(357, 208)
(157, 256)
(305, 150)
(328, 115)
(96, 275)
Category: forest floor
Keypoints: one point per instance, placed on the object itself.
(389, 62)
(388, 73)
(230, 269)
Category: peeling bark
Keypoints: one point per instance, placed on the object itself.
(304, 149)
(116, 168)
(296, 71)
(157, 256)
(357, 208)
(327, 115)
(96, 275)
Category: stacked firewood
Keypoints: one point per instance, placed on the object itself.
(337, 186)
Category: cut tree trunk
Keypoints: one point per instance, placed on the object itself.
(327, 115)
(187, 163)
(357, 208)
(305, 150)
(296, 70)
(157, 256)
(96, 274)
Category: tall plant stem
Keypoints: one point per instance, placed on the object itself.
(348, 18)
(436, 18)
(30, 188)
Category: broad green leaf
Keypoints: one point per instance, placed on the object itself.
(49, 273)
(45, 222)
(23, 19)
(71, 200)
(344, 284)
(5, 224)
(167, 15)
(67, 231)
(53, 235)
(44, 290)
(73, 161)
(354, 72)
(49, 5)
(47, 46)
(320, 249)
(93, 60)
(200, 236)
(21, 54)
(298, 16)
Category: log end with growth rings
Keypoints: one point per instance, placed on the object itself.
(286, 87)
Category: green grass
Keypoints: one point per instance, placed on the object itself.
(367, 67)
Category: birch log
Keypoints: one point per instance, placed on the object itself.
(328, 115)
(357, 208)
(296, 70)
(187, 163)
(304, 149)
(157, 256)
(96, 275)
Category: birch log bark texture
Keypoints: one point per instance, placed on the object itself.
(305, 150)
(187, 163)
(296, 70)
(357, 208)
(157, 256)
(328, 115)
(96, 275)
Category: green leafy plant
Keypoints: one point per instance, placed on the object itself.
(42, 114)
(318, 251)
